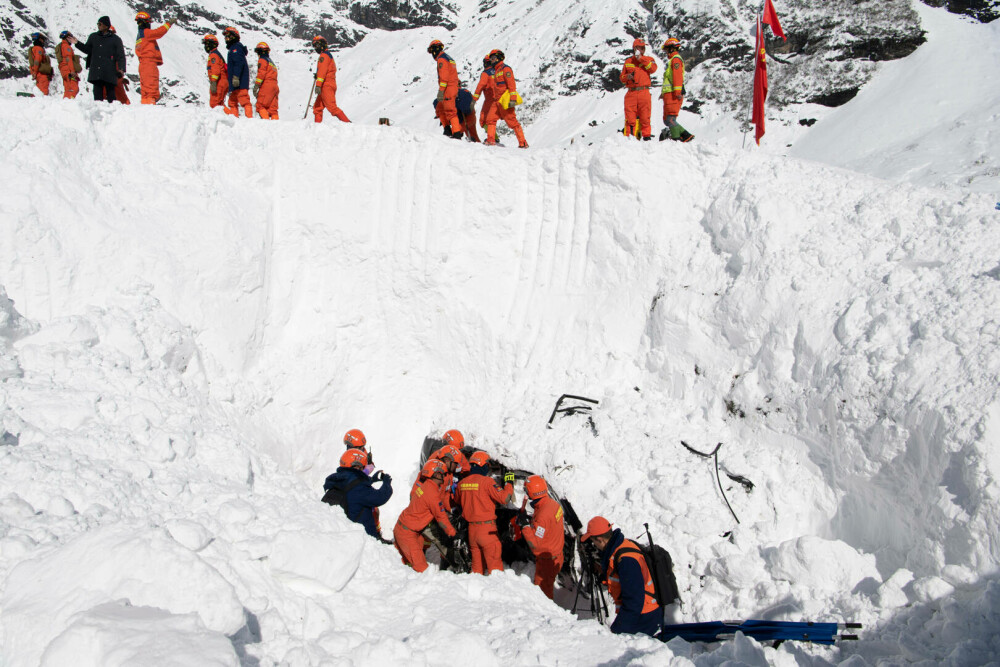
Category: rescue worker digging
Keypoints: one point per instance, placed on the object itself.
(326, 83)
(629, 582)
(638, 105)
(425, 506)
(69, 66)
(544, 533)
(672, 93)
(39, 63)
(265, 88)
(218, 78)
(479, 495)
(147, 50)
(447, 74)
(238, 71)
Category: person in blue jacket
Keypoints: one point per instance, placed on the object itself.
(623, 568)
(361, 496)
(466, 107)
(238, 71)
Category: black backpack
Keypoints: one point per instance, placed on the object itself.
(661, 569)
(337, 496)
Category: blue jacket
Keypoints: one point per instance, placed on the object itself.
(363, 498)
(463, 102)
(236, 65)
(630, 619)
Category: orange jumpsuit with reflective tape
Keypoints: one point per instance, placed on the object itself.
(425, 506)
(150, 58)
(503, 80)
(70, 79)
(487, 88)
(546, 537)
(479, 496)
(447, 73)
(219, 77)
(326, 78)
(38, 56)
(638, 103)
(267, 92)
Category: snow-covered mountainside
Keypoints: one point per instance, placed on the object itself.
(193, 309)
(567, 56)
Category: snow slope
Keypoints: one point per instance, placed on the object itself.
(204, 317)
(930, 119)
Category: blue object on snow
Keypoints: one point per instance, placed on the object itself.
(713, 631)
(998, 205)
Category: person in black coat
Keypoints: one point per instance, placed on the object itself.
(105, 59)
(361, 498)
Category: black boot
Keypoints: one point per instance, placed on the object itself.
(647, 138)
(665, 134)
(447, 130)
(686, 136)
(457, 135)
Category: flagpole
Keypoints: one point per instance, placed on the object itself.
(757, 26)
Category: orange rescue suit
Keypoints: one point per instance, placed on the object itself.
(479, 496)
(37, 56)
(638, 104)
(503, 80)
(150, 58)
(447, 73)
(615, 587)
(326, 79)
(267, 91)
(546, 537)
(217, 76)
(70, 79)
(487, 88)
(673, 87)
(425, 506)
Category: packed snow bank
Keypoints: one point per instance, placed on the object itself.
(222, 305)
(930, 118)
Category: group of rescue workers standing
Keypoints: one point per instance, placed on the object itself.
(230, 74)
(450, 483)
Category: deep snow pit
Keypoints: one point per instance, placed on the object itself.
(195, 318)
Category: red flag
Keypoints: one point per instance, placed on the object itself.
(771, 19)
(759, 84)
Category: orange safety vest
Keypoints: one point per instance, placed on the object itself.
(614, 585)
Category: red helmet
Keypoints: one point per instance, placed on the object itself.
(355, 438)
(353, 458)
(142, 16)
(210, 39)
(230, 32)
(435, 47)
(264, 47)
(639, 43)
(455, 438)
(535, 487)
(479, 459)
(596, 526)
(671, 43)
(433, 467)
(496, 56)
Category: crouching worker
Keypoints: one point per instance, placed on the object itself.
(353, 490)
(425, 506)
(544, 533)
(628, 579)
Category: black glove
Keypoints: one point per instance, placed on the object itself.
(386, 478)
(377, 476)
(522, 519)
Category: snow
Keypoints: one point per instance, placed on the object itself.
(193, 310)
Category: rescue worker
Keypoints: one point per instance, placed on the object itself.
(487, 88)
(507, 97)
(447, 74)
(69, 66)
(466, 107)
(425, 506)
(479, 494)
(455, 463)
(218, 77)
(147, 50)
(38, 62)
(362, 499)
(638, 105)
(326, 83)
(265, 86)
(105, 59)
(544, 533)
(672, 93)
(238, 71)
(355, 439)
(628, 580)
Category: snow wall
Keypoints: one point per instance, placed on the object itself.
(202, 306)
